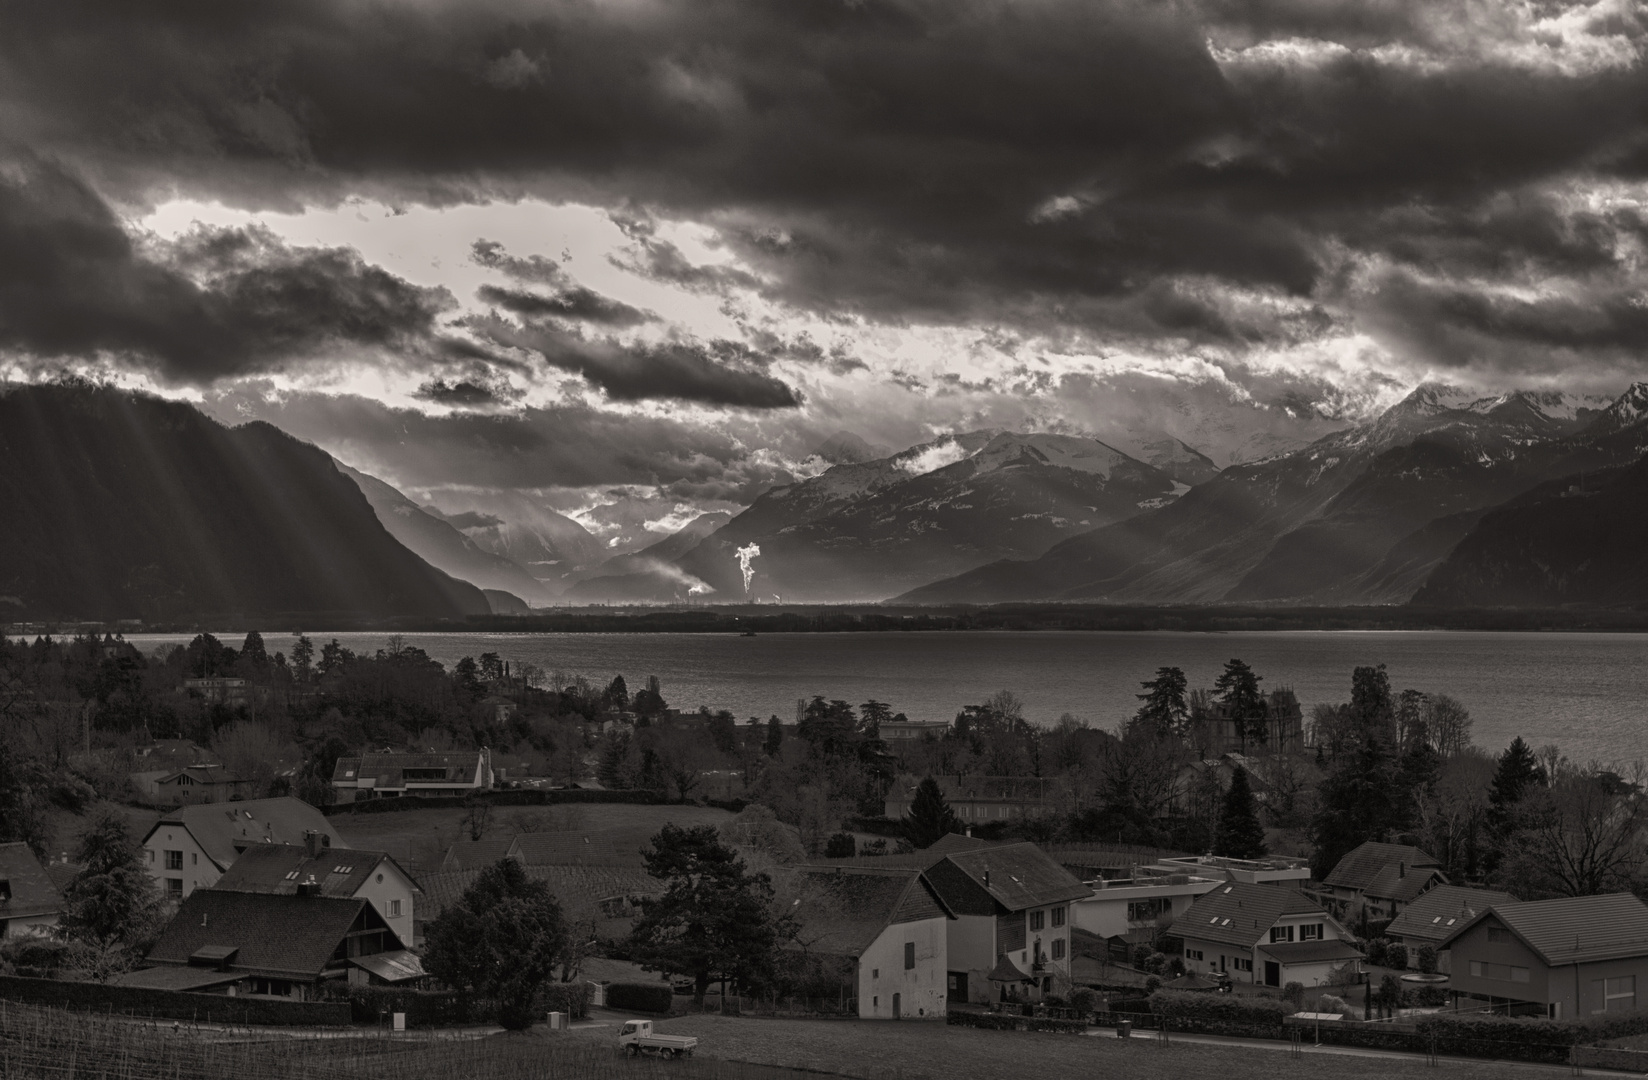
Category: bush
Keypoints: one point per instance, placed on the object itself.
(1141, 955)
(1083, 1000)
(1152, 984)
(1376, 952)
(1430, 997)
(1327, 1003)
(640, 997)
(1131, 1006)
(171, 1004)
(1294, 994)
(1396, 955)
(1009, 1022)
(1219, 1014)
(571, 998)
(1427, 959)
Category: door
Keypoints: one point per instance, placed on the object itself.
(1273, 973)
(896, 1013)
(958, 986)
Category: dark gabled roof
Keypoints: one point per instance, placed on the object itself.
(1310, 952)
(475, 854)
(172, 977)
(1238, 913)
(280, 868)
(1435, 913)
(843, 909)
(395, 966)
(1016, 876)
(1391, 883)
(202, 774)
(1362, 866)
(32, 891)
(219, 828)
(292, 936)
(1573, 930)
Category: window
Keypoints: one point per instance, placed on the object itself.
(380, 879)
(1498, 935)
(5, 891)
(1281, 933)
(151, 854)
(952, 982)
(909, 955)
(174, 860)
(174, 887)
(1616, 995)
(1241, 963)
(1038, 919)
(875, 973)
(1193, 954)
(1058, 948)
(1148, 911)
(1481, 969)
(1058, 916)
(394, 908)
(1311, 932)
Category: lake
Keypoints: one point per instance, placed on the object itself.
(1584, 692)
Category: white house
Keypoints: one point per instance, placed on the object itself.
(885, 929)
(1262, 934)
(29, 902)
(190, 848)
(351, 873)
(395, 774)
(1126, 911)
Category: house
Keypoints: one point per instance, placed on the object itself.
(1262, 934)
(1436, 914)
(275, 945)
(1564, 959)
(29, 903)
(392, 774)
(1138, 909)
(886, 932)
(1381, 879)
(353, 873)
(1278, 870)
(1213, 731)
(977, 800)
(218, 690)
(192, 846)
(897, 732)
(197, 784)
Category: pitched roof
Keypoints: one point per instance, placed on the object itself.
(1392, 883)
(1017, 876)
(398, 965)
(222, 828)
(1310, 952)
(475, 854)
(843, 909)
(1363, 865)
(620, 846)
(1238, 913)
(287, 935)
(1435, 913)
(173, 977)
(202, 774)
(1573, 930)
(279, 868)
(31, 890)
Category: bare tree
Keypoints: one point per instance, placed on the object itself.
(477, 818)
(1584, 835)
(1448, 724)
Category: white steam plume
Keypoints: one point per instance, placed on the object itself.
(745, 554)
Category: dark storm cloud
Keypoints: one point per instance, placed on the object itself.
(217, 303)
(464, 393)
(577, 304)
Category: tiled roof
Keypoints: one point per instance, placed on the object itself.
(844, 909)
(1392, 884)
(1310, 952)
(398, 965)
(1574, 930)
(288, 935)
(1018, 876)
(202, 774)
(1362, 866)
(173, 977)
(1435, 914)
(32, 891)
(219, 828)
(1240, 914)
(279, 868)
(475, 854)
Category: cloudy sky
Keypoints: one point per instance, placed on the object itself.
(638, 257)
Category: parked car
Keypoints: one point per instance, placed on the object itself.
(636, 1038)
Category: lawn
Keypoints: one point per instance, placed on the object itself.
(418, 838)
(881, 1050)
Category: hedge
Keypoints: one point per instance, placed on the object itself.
(1219, 1014)
(515, 797)
(1006, 1022)
(455, 1008)
(172, 1004)
(640, 997)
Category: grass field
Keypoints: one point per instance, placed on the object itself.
(879, 1050)
(417, 838)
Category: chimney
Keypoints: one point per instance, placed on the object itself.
(1401, 869)
(309, 886)
(987, 879)
(314, 842)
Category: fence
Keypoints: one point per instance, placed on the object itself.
(170, 1004)
(55, 1044)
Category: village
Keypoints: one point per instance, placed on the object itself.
(462, 891)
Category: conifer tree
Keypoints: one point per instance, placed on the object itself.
(1518, 772)
(1165, 710)
(1357, 804)
(930, 817)
(775, 737)
(112, 901)
(1239, 835)
(1238, 689)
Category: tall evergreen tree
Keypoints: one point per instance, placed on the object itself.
(112, 901)
(1164, 709)
(930, 818)
(1356, 804)
(1239, 834)
(1518, 773)
(1238, 689)
(774, 741)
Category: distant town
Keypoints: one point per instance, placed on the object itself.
(336, 837)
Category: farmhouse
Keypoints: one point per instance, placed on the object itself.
(197, 784)
(1265, 935)
(191, 847)
(29, 902)
(885, 930)
(1564, 959)
(352, 873)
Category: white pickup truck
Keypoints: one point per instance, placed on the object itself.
(636, 1038)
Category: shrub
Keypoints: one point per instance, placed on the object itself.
(571, 998)
(1294, 994)
(1396, 955)
(1427, 959)
(1009, 1022)
(640, 997)
(1176, 967)
(1327, 1003)
(1376, 952)
(1430, 996)
(1141, 955)
(1157, 964)
(1152, 984)
(1219, 1014)
(1083, 1000)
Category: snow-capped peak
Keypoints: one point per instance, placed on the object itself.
(1628, 408)
(1065, 451)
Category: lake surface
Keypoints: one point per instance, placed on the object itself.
(1585, 692)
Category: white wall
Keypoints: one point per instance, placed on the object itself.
(199, 872)
(393, 886)
(921, 989)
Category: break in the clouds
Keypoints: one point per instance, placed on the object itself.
(718, 232)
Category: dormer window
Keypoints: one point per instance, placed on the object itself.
(5, 890)
(293, 876)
